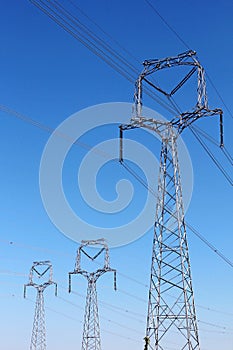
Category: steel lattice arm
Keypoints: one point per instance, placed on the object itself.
(103, 249)
(181, 121)
(34, 272)
(185, 58)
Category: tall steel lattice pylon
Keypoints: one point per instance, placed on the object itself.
(39, 270)
(171, 310)
(91, 329)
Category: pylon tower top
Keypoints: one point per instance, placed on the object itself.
(182, 119)
(41, 270)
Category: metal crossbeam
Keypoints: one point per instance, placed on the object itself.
(182, 120)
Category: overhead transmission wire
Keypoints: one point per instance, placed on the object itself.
(206, 148)
(94, 43)
(105, 45)
(64, 23)
(224, 150)
(102, 317)
(116, 309)
(124, 312)
(127, 311)
(77, 320)
(125, 165)
(104, 31)
(220, 167)
(101, 56)
(196, 233)
(187, 46)
(194, 130)
(219, 95)
(167, 24)
(225, 328)
(211, 139)
(110, 50)
(94, 47)
(35, 123)
(122, 59)
(152, 6)
(102, 329)
(112, 306)
(8, 272)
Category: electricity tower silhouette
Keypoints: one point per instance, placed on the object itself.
(91, 329)
(171, 308)
(39, 270)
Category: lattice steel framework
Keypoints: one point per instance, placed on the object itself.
(171, 310)
(39, 269)
(91, 329)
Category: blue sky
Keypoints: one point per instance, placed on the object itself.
(47, 75)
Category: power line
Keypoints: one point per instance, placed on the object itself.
(188, 47)
(77, 320)
(219, 95)
(70, 23)
(211, 324)
(210, 245)
(86, 146)
(219, 166)
(211, 139)
(102, 317)
(167, 24)
(127, 311)
(142, 316)
(199, 235)
(104, 31)
(70, 28)
(114, 307)
(126, 166)
(205, 147)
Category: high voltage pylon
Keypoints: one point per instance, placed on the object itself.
(171, 307)
(40, 269)
(91, 328)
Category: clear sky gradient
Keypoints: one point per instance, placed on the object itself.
(47, 75)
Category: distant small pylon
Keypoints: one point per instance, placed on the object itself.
(91, 329)
(39, 269)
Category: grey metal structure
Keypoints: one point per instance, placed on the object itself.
(39, 269)
(91, 329)
(171, 310)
